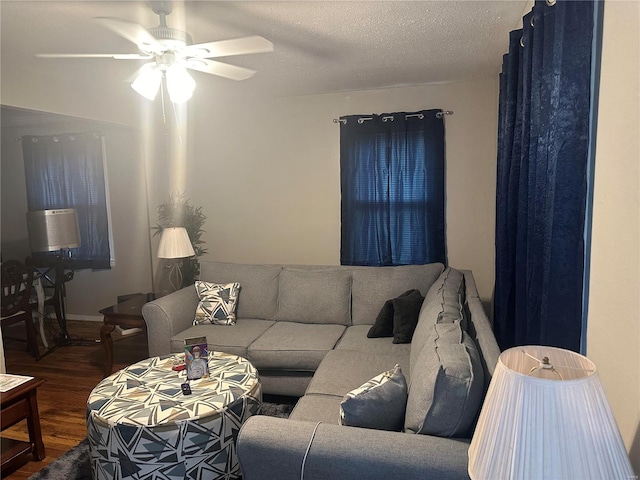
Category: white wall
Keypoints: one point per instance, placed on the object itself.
(268, 173)
(89, 291)
(613, 335)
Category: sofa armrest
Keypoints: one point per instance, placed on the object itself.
(168, 316)
(274, 448)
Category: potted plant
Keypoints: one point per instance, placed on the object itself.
(178, 212)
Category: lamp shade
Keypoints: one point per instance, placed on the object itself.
(175, 243)
(147, 83)
(546, 416)
(180, 84)
(51, 230)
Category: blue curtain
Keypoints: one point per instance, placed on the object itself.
(67, 171)
(543, 140)
(392, 184)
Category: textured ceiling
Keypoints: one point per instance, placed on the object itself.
(320, 46)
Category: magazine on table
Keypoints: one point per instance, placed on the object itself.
(196, 357)
(9, 381)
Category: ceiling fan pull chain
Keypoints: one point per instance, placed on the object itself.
(164, 117)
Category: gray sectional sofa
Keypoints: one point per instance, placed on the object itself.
(305, 329)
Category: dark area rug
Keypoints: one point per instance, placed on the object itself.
(74, 464)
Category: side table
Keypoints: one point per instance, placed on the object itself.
(18, 404)
(126, 314)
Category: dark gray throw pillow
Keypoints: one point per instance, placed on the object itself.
(383, 326)
(379, 403)
(405, 316)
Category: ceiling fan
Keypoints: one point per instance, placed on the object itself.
(171, 52)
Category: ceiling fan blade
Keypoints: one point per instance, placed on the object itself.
(133, 32)
(117, 56)
(225, 48)
(220, 69)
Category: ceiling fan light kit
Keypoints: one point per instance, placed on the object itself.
(180, 84)
(148, 81)
(171, 53)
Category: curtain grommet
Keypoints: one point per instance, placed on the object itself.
(551, 3)
(522, 41)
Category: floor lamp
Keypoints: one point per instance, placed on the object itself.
(51, 231)
(546, 416)
(174, 244)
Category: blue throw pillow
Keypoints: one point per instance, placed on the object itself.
(383, 326)
(405, 316)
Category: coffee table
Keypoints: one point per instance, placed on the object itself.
(127, 314)
(141, 425)
(18, 404)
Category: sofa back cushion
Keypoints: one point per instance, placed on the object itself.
(447, 384)
(372, 286)
(258, 286)
(315, 296)
(444, 303)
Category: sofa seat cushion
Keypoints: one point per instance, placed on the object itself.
(344, 370)
(317, 408)
(355, 338)
(320, 296)
(447, 384)
(294, 346)
(233, 339)
(259, 286)
(372, 286)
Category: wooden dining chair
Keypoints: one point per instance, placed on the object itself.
(52, 278)
(17, 281)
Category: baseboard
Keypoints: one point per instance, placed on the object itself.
(89, 318)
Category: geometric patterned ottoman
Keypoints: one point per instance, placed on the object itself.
(140, 425)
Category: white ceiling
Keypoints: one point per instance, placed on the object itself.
(320, 46)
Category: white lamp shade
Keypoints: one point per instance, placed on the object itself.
(539, 422)
(180, 84)
(147, 83)
(175, 243)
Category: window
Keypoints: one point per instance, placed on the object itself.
(392, 185)
(67, 171)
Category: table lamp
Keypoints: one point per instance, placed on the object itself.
(546, 416)
(175, 243)
(50, 231)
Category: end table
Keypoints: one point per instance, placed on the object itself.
(18, 404)
(126, 314)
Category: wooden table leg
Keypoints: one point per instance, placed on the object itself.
(33, 423)
(105, 339)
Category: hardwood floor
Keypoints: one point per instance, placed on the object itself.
(71, 372)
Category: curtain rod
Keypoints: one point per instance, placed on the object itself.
(95, 134)
(389, 117)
